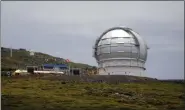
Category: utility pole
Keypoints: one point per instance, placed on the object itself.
(10, 51)
(69, 69)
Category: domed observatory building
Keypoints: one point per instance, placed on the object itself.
(120, 51)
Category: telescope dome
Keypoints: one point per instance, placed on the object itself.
(120, 51)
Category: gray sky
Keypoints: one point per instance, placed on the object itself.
(69, 29)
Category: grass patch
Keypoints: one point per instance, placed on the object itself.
(39, 94)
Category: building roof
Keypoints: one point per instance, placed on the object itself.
(55, 65)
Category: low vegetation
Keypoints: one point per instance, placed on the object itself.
(22, 58)
(36, 93)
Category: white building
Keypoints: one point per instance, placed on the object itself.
(120, 51)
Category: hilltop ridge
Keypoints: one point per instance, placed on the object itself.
(22, 58)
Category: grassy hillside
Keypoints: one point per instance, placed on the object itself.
(35, 93)
(21, 58)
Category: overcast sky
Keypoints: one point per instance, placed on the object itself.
(69, 29)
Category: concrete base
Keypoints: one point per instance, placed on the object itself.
(134, 71)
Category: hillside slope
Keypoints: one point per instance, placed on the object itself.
(22, 58)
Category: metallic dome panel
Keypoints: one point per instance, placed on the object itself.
(123, 41)
(116, 33)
